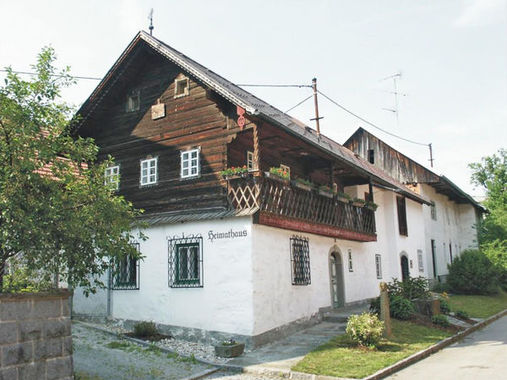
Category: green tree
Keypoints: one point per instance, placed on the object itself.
(56, 213)
(491, 175)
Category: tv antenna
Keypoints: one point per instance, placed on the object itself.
(150, 17)
(396, 109)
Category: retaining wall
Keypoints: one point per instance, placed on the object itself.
(35, 336)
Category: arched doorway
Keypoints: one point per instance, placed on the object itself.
(336, 279)
(405, 273)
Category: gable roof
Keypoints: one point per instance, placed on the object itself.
(441, 183)
(253, 106)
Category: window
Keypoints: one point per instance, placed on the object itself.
(112, 177)
(402, 216)
(185, 262)
(433, 210)
(181, 87)
(378, 265)
(433, 257)
(300, 260)
(148, 171)
(351, 268)
(250, 161)
(190, 163)
(420, 260)
(125, 274)
(285, 168)
(133, 101)
(371, 156)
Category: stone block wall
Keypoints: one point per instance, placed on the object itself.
(35, 336)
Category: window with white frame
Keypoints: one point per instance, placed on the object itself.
(148, 171)
(378, 265)
(433, 210)
(112, 177)
(420, 260)
(185, 262)
(181, 87)
(351, 268)
(250, 161)
(190, 163)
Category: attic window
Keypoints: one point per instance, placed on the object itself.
(133, 101)
(371, 156)
(181, 87)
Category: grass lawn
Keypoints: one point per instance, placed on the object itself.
(342, 358)
(479, 306)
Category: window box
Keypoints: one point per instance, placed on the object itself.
(358, 202)
(343, 197)
(303, 184)
(372, 206)
(326, 191)
(276, 177)
(229, 349)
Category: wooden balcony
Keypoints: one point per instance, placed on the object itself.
(278, 203)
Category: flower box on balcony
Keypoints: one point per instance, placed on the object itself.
(303, 184)
(326, 193)
(276, 177)
(371, 206)
(343, 197)
(358, 202)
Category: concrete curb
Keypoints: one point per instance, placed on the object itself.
(259, 370)
(200, 375)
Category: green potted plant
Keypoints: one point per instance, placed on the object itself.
(326, 191)
(303, 184)
(229, 349)
(358, 202)
(234, 172)
(279, 174)
(371, 205)
(343, 197)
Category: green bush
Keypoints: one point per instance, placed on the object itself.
(20, 279)
(440, 320)
(401, 308)
(145, 329)
(441, 287)
(461, 314)
(365, 329)
(411, 288)
(472, 273)
(496, 252)
(375, 306)
(445, 308)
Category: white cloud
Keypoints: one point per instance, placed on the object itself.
(482, 12)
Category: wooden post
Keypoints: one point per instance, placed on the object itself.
(384, 309)
(256, 152)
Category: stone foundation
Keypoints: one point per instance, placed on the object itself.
(35, 336)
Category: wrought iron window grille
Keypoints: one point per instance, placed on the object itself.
(300, 260)
(125, 273)
(185, 262)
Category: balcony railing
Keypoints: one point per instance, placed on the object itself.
(281, 199)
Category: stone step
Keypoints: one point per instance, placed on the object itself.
(335, 318)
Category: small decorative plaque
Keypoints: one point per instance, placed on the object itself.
(157, 111)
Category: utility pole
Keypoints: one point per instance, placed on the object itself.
(431, 155)
(150, 17)
(316, 118)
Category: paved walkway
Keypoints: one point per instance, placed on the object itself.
(280, 356)
(481, 355)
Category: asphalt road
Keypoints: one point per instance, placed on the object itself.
(481, 355)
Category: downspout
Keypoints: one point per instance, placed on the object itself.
(109, 294)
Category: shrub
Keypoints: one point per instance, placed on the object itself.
(445, 308)
(375, 306)
(365, 329)
(461, 314)
(401, 308)
(441, 287)
(411, 288)
(472, 273)
(496, 252)
(145, 329)
(440, 320)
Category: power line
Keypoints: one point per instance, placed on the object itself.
(301, 102)
(53, 75)
(274, 85)
(369, 122)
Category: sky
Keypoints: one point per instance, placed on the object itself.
(452, 57)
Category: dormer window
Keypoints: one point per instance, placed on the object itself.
(190, 163)
(112, 177)
(133, 101)
(181, 87)
(148, 171)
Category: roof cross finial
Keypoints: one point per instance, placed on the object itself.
(150, 17)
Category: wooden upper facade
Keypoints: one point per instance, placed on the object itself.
(172, 126)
